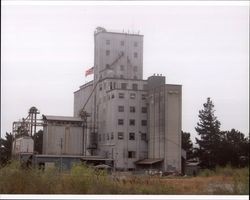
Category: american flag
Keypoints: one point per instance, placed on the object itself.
(89, 71)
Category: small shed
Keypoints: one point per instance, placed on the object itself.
(192, 168)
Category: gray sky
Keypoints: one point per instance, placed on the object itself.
(46, 50)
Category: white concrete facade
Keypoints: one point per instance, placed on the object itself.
(120, 52)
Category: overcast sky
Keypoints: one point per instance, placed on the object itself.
(46, 50)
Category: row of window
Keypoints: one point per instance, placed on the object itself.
(122, 43)
(132, 109)
(123, 86)
(122, 68)
(131, 122)
(122, 96)
(131, 96)
(120, 136)
(135, 53)
(134, 77)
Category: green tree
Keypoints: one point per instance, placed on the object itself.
(235, 148)
(187, 144)
(38, 141)
(208, 128)
(5, 148)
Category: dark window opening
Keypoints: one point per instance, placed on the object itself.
(132, 122)
(131, 154)
(131, 136)
(120, 122)
(144, 122)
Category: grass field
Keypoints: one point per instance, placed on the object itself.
(85, 180)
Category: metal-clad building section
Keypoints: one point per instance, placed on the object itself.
(63, 135)
(23, 144)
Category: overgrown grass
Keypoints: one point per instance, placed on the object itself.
(85, 180)
(237, 180)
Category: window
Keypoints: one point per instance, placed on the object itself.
(131, 154)
(121, 76)
(145, 87)
(107, 42)
(131, 122)
(124, 86)
(103, 137)
(143, 96)
(112, 136)
(143, 136)
(132, 95)
(120, 122)
(120, 108)
(134, 86)
(144, 109)
(135, 54)
(144, 122)
(99, 137)
(131, 136)
(122, 43)
(107, 136)
(120, 135)
(122, 67)
(132, 109)
(135, 68)
(135, 77)
(135, 44)
(121, 95)
(107, 52)
(112, 96)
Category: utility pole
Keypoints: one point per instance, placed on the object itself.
(61, 146)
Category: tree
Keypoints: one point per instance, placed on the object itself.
(5, 148)
(208, 128)
(235, 148)
(38, 141)
(187, 144)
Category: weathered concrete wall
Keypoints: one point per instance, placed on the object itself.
(173, 118)
(164, 105)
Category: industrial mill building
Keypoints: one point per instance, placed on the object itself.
(134, 122)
